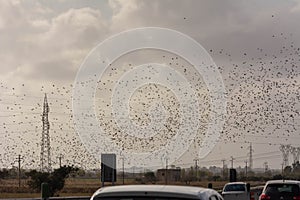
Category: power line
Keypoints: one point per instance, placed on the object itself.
(269, 136)
(264, 157)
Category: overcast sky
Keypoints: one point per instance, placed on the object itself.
(43, 43)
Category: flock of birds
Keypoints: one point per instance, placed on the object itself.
(263, 104)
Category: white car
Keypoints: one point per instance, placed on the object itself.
(155, 192)
(236, 191)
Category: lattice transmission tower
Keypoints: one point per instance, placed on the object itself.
(250, 157)
(285, 150)
(295, 151)
(45, 162)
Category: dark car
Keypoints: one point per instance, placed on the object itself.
(281, 190)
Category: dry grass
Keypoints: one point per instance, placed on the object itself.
(73, 187)
(9, 188)
(80, 187)
(20, 195)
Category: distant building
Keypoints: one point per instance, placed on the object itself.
(173, 175)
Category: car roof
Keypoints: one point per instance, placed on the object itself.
(233, 183)
(158, 190)
(283, 181)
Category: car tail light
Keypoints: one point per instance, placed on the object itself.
(264, 197)
(252, 196)
(296, 198)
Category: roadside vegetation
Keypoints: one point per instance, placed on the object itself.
(72, 181)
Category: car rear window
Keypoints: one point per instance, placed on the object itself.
(282, 188)
(234, 187)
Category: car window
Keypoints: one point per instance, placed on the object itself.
(280, 189)
(234, 187)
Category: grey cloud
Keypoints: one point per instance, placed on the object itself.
(53, 70)
(60, 41)
(233, 25)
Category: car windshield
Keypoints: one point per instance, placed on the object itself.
(282, 189)
(234, 187)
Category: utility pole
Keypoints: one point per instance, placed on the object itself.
(250, 157)
(113, 173)
(282, 174)
(246, 168)
(19, 169)
(232, 159)
(266, 167)
(133, 171)
(223, 165)
(196, 168)
(60, 157)
(123, 174)
(166, 174)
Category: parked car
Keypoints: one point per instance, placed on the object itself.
(155, 192)
(281, 190)
(255, 192)
(236, 191)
